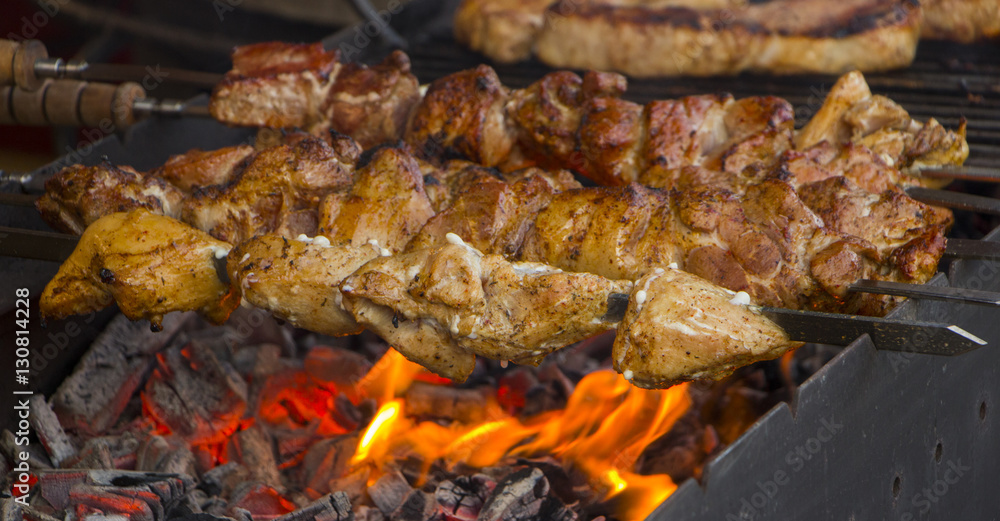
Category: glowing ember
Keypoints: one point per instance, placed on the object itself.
(601, 433)
(606, 425)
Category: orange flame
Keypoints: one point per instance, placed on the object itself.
(606, 425)
(378, 432)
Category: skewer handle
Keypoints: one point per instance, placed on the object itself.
(71, 103)
(17, 63)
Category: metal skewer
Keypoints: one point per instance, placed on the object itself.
(967, 173)
(924, 291)
(955, 200)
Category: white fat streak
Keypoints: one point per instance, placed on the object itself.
(412, 271)
(321, 240)
(672, 265)
(627, 374)
(533, 268)
(246, 257)
(454, 239)
(304, 238)
(640, 297)
(384, 252)
(219, 252)
(742, 298)
(423, 89)
(454, 324)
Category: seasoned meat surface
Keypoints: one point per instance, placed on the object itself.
(386, 204)
(685, 37)
(276, 85)
(491, 307)
(278, 192)
(198, 168)
(148, 264)
(678, 327)
(298, 279)
(79, 195)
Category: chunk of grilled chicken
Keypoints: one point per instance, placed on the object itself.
(386, 204)
(275, 84)
(80, 195)
(149, 264)
(852, 114)
(197, 168)
(491, 307)
(463, 114)
(282, 85)
(278, 191)
(298, 280)
(372, 104)
(678, 328)
(491, 213)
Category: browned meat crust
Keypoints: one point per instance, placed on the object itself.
(275, 84)
(281, 85)
(80, 195)
(963, 21)
(656, 38)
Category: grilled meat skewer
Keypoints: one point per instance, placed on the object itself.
(785, 250)
(439, 307)
(565, 121)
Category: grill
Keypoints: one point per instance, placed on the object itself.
(873, 434)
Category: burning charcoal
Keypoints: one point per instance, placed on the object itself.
(345, 413)
(31, 514)
(215, 506)
(258, 360)
(113, 368)
(681, 452)
(354, 484)
(513, 388)
(37, 458)
(364, 513)
(332, 507)
(326, 461)
(223, 479)
(261, 501)
(442, 401)
(198, 516)
(196, 395)
(389, 492)
(47, 427)
(67, 488)
(518, 496)
(552, 509)
(10, 510)
(463, 498)
(418, 506)
(334, 365)
(248, 326)
(96, 454)
(241, 514)
(134, 506)
(252, 448)
(293, 400)
(562, 485)
(159, 454)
